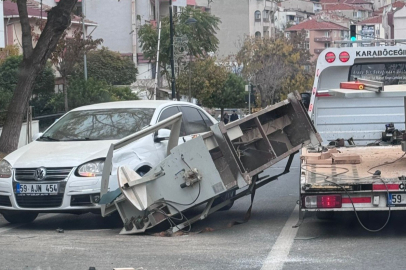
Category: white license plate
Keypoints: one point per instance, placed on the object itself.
(397, 198)
(34, 189)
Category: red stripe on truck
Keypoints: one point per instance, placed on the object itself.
(357, 200)
(383, 187)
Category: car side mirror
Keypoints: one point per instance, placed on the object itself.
(162, 135)
(36, 136)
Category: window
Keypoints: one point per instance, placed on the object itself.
(389, 74)
(344, 34)
(194, 122)
(326, 45)
(307, 34)
(171, 111)
(291, 18)
(326, 33)
(357, 14)
(103, 124)
(168, 113)
(257, 34)
(307, 45)
(205, 119)
(257, 16)
(266, 15)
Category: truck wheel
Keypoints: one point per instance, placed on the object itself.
(325, 215)
(20, 217)
(225, 197)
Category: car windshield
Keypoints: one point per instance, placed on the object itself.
(108, 124)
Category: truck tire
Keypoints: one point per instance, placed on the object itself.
(225, 197)
(20, 217)
(325, 215)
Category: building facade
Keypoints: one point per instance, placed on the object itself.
(370, 28)
(319, 34)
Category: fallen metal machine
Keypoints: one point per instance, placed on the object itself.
(213, 165)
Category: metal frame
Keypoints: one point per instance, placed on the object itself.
(175, 121)
(209, 209)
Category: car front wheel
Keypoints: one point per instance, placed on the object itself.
(20, 217)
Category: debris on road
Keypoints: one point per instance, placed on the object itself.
(207, 169)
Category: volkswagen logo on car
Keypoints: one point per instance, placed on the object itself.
(40, 174)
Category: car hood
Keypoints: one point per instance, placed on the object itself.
(57, 154)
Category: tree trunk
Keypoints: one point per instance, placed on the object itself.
(263, 96)
(65, 94)
(17, 107)
(34, 61)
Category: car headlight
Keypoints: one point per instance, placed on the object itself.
(91, 169)
(5, 169)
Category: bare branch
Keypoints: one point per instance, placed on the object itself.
(59, 18)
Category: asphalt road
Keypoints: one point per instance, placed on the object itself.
(267, 241)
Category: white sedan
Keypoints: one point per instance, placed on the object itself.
(61, 170)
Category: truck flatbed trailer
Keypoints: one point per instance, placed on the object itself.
(367, 191)
(353, 122)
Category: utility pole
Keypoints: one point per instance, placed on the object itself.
(157, 60)
(84, 38)
(134, 31)
(171, 41)
(249, 97)
(158, 21)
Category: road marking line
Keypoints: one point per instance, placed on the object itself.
(280, 250)
(9, 226)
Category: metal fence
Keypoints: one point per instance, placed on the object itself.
(44, 120)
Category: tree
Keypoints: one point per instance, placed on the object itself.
(207, 78)
(42, 89)
(275, 66)
(213, 85)
(69, 52)
(231, 95)
(34, 61)
(81, 93)
(110, 67)
(201, 36)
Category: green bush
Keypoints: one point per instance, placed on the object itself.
(43, 87)
(81, 93)
(109, 66)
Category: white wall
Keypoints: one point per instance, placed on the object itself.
(23, 135)
(399, 23)
(114, 23)
(234, 24)
(144, 71)
(2, 36)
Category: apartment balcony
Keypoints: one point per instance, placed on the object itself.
(318, 51)
(323, 39)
